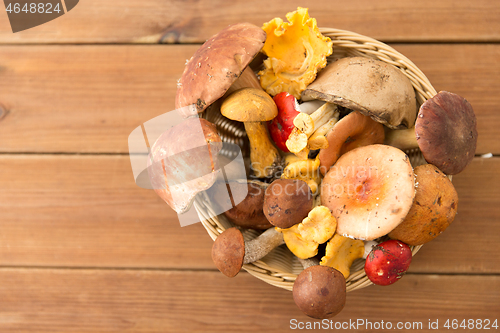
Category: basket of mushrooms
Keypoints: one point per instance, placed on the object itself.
(349, 153)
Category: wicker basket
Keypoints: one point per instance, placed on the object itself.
(280, 267)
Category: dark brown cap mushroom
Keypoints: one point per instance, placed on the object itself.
(287, 202)
(230, 251)
(433, 209)
(320, 292)
(446, 132)
(183, 162)
(247, 213)
(217, 64)
(372, 87)
(353, 131)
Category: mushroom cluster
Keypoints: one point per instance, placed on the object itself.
(335, 185)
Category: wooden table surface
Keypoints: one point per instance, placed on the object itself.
(83, 249)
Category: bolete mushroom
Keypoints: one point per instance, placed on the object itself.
(433, 209)
(230, 251)
(372, 87)
(247, 213)
(183, 162)
(445, 131)
(217, 64)
(353, 131)
(254, 107)
(287, 202)
(369, 190)
(320, 291)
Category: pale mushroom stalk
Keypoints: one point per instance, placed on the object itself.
(306, 263)
(402, 139)
(253, 107)
(247, 79)
(259, 247)
(309, 123)
(318, 138)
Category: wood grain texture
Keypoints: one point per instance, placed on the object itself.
(148, 301)
(152, 21)
(89, 98)
(86, 211)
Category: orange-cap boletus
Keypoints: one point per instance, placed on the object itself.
(433, 209)
(230, 251)
(287, 202)
(217, 64)
(183, 162)
(369, 190)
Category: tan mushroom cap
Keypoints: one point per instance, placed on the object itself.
(353, 131)
(217, 64)
(320, 292)
(433, 210)
(249, 105)
(369, 190)
(372, 87)
(228, 252)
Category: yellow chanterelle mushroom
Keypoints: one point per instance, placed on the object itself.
(296, 50)
(341, 252)
(317, 228)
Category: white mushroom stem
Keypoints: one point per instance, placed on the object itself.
(309, 123)
(310, 106)
(402, 139)
(306, 263)
(318, 138)
(259, 247)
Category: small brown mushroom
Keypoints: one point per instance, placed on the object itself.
(369, 190)
(372, 87)
(433, 209)
(183, 162)
(230, 251)
(320, 291)
(445, 131)
(254, 107)
(353, 131)
(247, 213)
(287, 202)
(217, 64)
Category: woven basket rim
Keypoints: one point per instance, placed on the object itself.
(345, 43)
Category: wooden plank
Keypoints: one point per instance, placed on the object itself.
(151, 21)
(89, 98)
(154, 301)
(86, 211)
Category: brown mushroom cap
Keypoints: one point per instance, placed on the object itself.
(287, 202)
(320, 292)
(181, 166)
(353, 131)
(369, 190)
(372, 87)
(434, 207)
(247, 213)
(228, 252)
(446, 132)
(217, 64)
